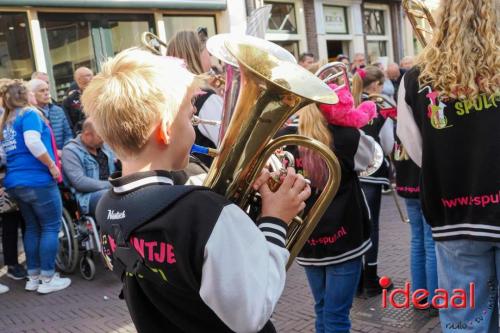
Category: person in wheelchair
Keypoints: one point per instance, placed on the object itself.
(87, 164)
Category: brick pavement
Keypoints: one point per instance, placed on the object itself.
(94, 306)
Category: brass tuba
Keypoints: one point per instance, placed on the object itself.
(421, 20)
(271, 91)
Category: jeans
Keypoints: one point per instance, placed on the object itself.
(10, 224)
(461, 262)
(94, 200)
(373, 194)
(333, 288)
(422, 250)
(42, 212)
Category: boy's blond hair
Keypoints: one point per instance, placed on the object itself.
(135, 91)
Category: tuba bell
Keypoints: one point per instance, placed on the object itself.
(271, 90)
(216, 47)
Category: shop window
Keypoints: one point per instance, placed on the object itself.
(376, 49)
(16, 56)
(290, 46)
(374, 22)
(127, 34)
(194, 23)
(282, 18)
(88, 40)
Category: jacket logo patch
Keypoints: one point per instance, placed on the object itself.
(112, 215)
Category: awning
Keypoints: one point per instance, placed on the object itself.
(150, 4)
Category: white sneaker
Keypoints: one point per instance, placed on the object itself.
(3, 288)
(55, 283)
(32, 283)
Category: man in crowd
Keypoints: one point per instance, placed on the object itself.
(359, 61)
(45, 78)
(394, 74)
(55, 115)
(406, 63)
(306, 60)
(71, 104)
(87, 165)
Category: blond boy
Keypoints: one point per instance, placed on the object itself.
(200, 264)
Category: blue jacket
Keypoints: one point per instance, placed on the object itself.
(59, 123)
(81, 171)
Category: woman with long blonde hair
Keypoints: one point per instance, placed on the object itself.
(187, 45)
(367, 81)
(449, 123)
(332, 255)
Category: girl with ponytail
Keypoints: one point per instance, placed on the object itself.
(366, 81)
(332, 255)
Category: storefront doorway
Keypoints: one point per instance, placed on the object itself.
(87, 40)
(336, 48)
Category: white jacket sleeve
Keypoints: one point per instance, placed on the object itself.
(365, 153)
(34, 143)
(386, 136)
(243, 272)
(211, 110)
(407, 129)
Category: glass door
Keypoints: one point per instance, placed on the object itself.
(86, 41)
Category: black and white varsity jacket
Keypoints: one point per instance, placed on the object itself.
(343, 233)
(206, 266)
(208, 106)
(382, 130)
(457, 144)
(407, 173)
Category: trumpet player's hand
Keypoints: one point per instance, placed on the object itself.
(288, 200)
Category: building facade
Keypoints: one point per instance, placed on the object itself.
(59, 36)
(328, 28)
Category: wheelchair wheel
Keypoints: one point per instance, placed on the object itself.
(67, 255)
(87, 268)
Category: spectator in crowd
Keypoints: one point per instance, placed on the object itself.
(359, 61)
(11, 220)
(31, 180)
(388, 87)
(449, 123)
(45, 78)
(187, 46)
(344, 59)
(71, 104)
(366, 81)
(393, 73)
(55, 115)
(87, 165)
(406, 63)
(306, 59)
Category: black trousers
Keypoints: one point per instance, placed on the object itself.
(10, 224)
